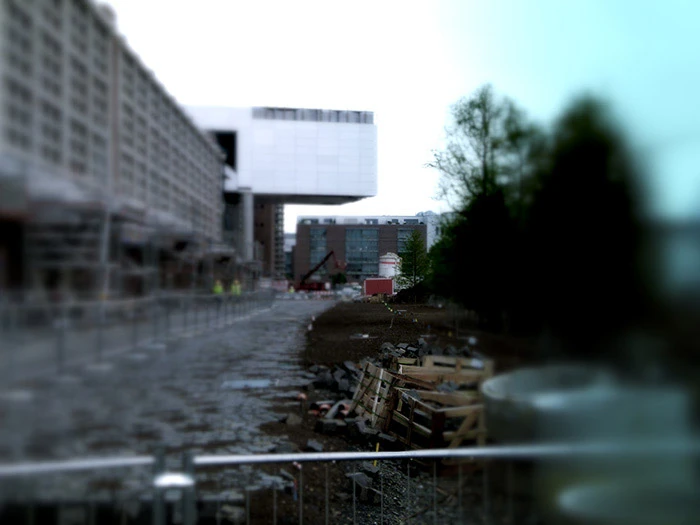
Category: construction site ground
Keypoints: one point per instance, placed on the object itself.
(227, 391)
(351, 331)
(337, 333)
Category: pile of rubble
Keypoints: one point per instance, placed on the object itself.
(379, 401)
(343, 378)
(425, 347)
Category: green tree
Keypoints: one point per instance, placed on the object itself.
(486, 168)
(338, 279)
(585, 234)
(415, 263)
(468, 164)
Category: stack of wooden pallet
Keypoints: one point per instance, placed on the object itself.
(410, 403)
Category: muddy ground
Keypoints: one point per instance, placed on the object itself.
(333, 340)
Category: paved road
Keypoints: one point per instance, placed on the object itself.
(208, 394)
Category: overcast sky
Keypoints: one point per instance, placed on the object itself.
(409, 61)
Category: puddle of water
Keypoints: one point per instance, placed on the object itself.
(362, 336)
(240, 384)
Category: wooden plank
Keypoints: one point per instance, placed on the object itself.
(447, 398)
(460, 411)
(453, 362)
(417, 370)
(400, 418)
(464, 432)
(361, 388)
(441, 376)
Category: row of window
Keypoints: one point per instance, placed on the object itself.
(369, 222)
(361, 249)
(314, 115)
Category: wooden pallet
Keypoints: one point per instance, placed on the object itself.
(372, 394)
(429, 419)
(459, 370)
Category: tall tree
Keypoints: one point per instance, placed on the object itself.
(469, 162)
(415, 263)
(585, 234)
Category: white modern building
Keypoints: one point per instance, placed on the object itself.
(278, 156)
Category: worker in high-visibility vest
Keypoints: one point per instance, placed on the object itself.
(218, 294)
(236, 288)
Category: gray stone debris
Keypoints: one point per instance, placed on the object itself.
(231, 514)
(293, 420)
(313, 446)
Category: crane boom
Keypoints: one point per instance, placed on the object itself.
(317, 267)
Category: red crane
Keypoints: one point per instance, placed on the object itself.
(315, 286)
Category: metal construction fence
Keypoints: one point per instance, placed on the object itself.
(427, 498)
(43, 336)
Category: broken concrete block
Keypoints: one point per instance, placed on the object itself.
(386, 347)
(363, 487)
(370, 469)
(293, 420)
(313, 446)
(324, 379)
(313, 369)
(343, 385)
(326, 426)
(339, 374)
(286, 448)
(360, 479)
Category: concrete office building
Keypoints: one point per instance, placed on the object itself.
(357, 241)
(278, 156)
(91, 145)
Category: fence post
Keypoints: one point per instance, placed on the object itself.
(301, 493)
(167, 323)
(100, 335)
(134, 325)
(154, 312)
(207, 323)
(185, 302)
(486, 489)
(61, 340)
(189, 502)
(158, 496)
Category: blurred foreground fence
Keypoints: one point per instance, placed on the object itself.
(574, 482)
(39, 337)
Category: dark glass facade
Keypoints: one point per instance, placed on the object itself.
(318, 247)
(362, 252)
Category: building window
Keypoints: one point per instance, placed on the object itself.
(317, 246)
(402, 236)
(410, 221)
(362, 252)
(371, 221)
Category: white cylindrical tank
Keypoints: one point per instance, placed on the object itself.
(388, 265)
